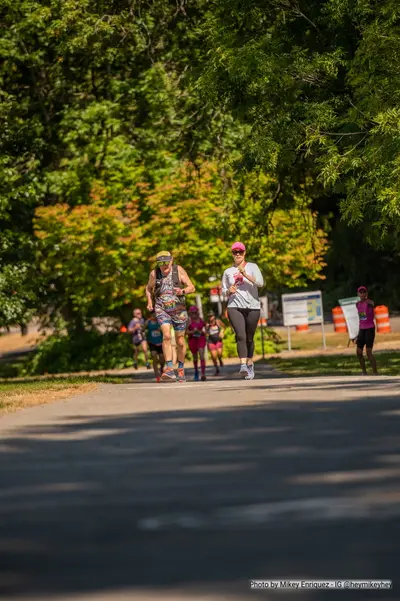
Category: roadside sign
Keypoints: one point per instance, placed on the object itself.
(350, 313)
(314, 308)
(303, 308)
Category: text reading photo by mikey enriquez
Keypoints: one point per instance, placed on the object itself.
(321, 584)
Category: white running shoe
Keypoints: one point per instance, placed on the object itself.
(244, 372)
(250, 369)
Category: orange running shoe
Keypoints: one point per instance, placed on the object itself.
(181, 374)
(169, 375)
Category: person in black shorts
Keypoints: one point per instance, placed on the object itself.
(366, 333)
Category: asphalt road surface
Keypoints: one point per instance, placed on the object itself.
(188, 491)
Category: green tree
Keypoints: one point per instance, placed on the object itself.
(16, 296)
(88, 258)
(288, 243)
(92, 90)
(317, 82)
(95, 258)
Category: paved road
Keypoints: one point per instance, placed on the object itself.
(180, 492)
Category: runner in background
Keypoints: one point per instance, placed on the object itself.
(197, 341)
(215, 334)
(155, 338)
(241, 282)
(136, 328)
(169, 284)
(366, 334)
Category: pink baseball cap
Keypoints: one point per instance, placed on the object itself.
(193, 309)
(362, 288)
(238, 246)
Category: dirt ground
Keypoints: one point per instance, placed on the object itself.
(15, 343)
(15, 400)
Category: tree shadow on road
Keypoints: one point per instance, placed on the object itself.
(95, 505)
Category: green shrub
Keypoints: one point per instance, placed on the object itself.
(10, 369)
(271, 342)
(84, 352)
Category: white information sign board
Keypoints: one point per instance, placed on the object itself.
(351, 315)
(303, 308)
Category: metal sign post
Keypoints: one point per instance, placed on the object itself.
(262, 342)
(199, 305)
(323, 335)
(263, 320)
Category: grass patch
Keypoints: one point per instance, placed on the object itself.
(17, 395)
(335, 365)
(312, 340)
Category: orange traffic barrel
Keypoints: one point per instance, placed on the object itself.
(123, 329)
(382, 319)
(262, 321)
(339, 322)
(302, 327)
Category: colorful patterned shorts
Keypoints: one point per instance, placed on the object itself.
(177, 317)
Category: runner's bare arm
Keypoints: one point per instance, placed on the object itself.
(222, 328)
(184, 278)
(149, 290)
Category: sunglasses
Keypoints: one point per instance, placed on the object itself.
(238, 252)
(163, 263)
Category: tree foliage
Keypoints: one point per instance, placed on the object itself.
(92, 91)
(318, 82)
(95, 258)
(87, 256)
(126, 126)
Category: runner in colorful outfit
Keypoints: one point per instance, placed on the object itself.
(136, 328)
(241, 282)
(155, 338)
(197, 342)
(366, 334)
(169, 284)
(215, 334)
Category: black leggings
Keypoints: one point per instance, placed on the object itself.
(244, 323)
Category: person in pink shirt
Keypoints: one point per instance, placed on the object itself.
(197, 341)
(366, 333)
